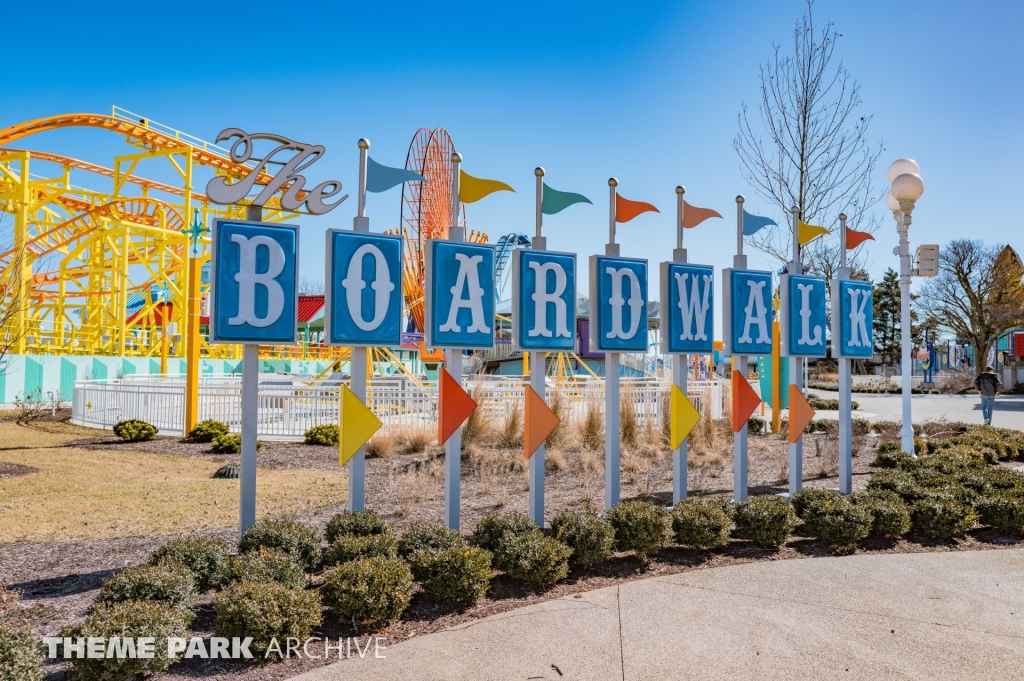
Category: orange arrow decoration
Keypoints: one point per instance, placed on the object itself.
(800, 413)
(744, 401)
(454, 405)
(540, 422)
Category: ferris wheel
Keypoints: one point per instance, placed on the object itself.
(426, 211)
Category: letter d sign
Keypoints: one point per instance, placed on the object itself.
(254, 279)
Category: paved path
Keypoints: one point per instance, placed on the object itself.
(1009, 411)
(953, 615)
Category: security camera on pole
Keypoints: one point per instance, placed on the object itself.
(543, 308)
(907, 188)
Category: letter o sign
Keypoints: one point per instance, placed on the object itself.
(363, 289)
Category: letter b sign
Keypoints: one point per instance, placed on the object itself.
(254, 277)
(363, 289)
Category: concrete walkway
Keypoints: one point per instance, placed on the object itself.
(952, 615)
(1009, 411)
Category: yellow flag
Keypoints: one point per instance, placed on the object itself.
(472, 189)
(357, 425)
(808, 233)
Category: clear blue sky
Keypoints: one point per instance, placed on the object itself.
(648, 92)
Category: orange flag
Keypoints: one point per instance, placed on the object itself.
(540, 422)
(744, 401)
(454, 405)
(626, 210)
(693, 216)
(800, 413)
(855, 238)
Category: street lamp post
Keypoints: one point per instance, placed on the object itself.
(907, 188)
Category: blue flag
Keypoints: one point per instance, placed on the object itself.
(382, 178)
(753, 223)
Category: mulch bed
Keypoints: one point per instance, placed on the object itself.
(59, 580)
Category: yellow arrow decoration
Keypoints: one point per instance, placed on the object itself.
(357, 425)
(684, 416)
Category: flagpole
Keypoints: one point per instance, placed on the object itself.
(796, 449)
(611, 379)
(845, 415)
(538, 373)
(680, 375)
(739, 439)
(453, 365)
(357, 365)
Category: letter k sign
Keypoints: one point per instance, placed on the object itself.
(254, 284)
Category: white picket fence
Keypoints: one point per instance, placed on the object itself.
(288, 406)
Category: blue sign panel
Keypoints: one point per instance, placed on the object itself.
(543, 300)
(856, 319)
(747, 323)
(803, 300)
(618, 304)
(363, 291)
(687, 317)
(254, 282)
(459, 295)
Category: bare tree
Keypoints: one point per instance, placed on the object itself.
(815, 153)
(311, 286)
(978, 295)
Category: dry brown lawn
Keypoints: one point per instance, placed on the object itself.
(97, 494)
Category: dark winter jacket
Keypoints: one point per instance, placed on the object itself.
(988, 383)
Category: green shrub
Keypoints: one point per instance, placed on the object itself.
(134, 430)
(725, 503)
(813, 496)
(21, 656)
(756, 425)
(890, 514)
(230, 444)
(291, 537)
(422, 538)
(591, 538)
(168, 584)
(901, 482)
(351, 547)
(207, 431)
(206, 558)
(326, 434)
(357, 524)
(767, 520)
(533, 558)
(376, 589)
(640, 527)
(700, 523)
(126, 619)
(941, 517)
(494, 527)
(1003, 511)
(860, 426)
(266, 610)
(462, 574)
(839, 523)
(267, 565)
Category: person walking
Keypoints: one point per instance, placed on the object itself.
(988, 385)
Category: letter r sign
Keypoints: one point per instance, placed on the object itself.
(363, 289)
(254, 281)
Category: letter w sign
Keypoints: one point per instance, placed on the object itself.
(254, 277)
(687, 317)
(363, 289)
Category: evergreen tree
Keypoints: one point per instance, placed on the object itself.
(886, 304)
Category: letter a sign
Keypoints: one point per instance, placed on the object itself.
(254, 276)
(363, 291)
(853, 324)
(802, 332)
(747, 322)
(687, 318)
(618, 304)
(459, 295)
(544, 300)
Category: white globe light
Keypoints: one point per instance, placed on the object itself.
(891, 202)
(908, 187)
(901, 166)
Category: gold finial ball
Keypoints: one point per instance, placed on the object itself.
(456, 157)
(364, 143)
(538, 171)
(842, 216)
(612, 182)
(680, 190)
(740, 199)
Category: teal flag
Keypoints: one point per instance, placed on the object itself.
(555, 201)
(382, 178)
(753, 223)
